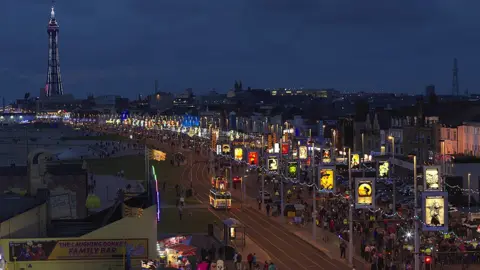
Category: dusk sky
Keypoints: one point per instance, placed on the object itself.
(122, 46)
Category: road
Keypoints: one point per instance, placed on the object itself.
(286, 249)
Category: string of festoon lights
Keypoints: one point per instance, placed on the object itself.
(396, 214)
(446, 235)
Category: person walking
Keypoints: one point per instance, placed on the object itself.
(238, 263)
(250, 261)
(343, 247)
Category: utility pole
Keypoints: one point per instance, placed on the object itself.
(362, 158)
(394, 180)
(279, 162)
(314, 201)
(263, 176)
(191, 170)
(417, 235)
(350, 210)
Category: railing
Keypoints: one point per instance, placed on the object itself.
(457, 257)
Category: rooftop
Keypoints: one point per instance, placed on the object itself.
(13, 205)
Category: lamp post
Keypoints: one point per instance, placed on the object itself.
(469, 191)
(314, 201)
(415, 211)
(362, 158)
(393, 170)
(350, 209)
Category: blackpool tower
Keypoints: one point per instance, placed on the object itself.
(54, 85)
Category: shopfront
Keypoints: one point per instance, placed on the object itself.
(176, 252)
(74, 254)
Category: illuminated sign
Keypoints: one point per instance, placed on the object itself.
(225, 149)
(219, 149)
(269, 141)
(302, 152)
(383, 169)
(435, 211)
(158, 155)
(326, 156)
(238, 154)
(77, 249)
(285, 148)
(355, 160)
(431, 177)
(365, 193)
(272, 163)
(276, 148)
(327, 178)
(292, 170)
(253, 158)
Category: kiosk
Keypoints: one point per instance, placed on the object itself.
(220, 198)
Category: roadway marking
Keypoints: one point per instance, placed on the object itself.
(287, 244)
(285, 231)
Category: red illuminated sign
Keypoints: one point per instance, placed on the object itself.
(285, 148)
(253, 158)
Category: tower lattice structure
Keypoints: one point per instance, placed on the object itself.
(54, 85)
(455, 88)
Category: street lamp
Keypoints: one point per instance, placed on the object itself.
(415, 213)
(469, 191)
(391, 174)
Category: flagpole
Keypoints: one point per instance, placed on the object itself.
(147, 178)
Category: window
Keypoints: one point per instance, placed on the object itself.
(454, 135)
(429, 140)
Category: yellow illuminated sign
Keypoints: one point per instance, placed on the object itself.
(238, 154)
(434, 211)
(365, 193)
(432, 179)
(383, 169)
(303, 152)
(226, 149)
(327, 179)
(158, 155)
(355, 160)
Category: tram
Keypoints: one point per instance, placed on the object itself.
(220, 198)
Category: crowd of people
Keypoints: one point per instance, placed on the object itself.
(383, 240)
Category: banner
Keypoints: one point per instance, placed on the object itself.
(158, 155)
(272, 162)
(219, 149)
(435, 210)
(383, 169)
(327, 177)
(225, 149)
(238, 154)
(431, 178)
(292, 170)
(355, 160)
(253, 158)
(269, 141)
(365, 193)
(276, 148)
(302, 152)
(285, 148)
(326, 156)
(78, 249)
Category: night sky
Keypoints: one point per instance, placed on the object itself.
(122, 46)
